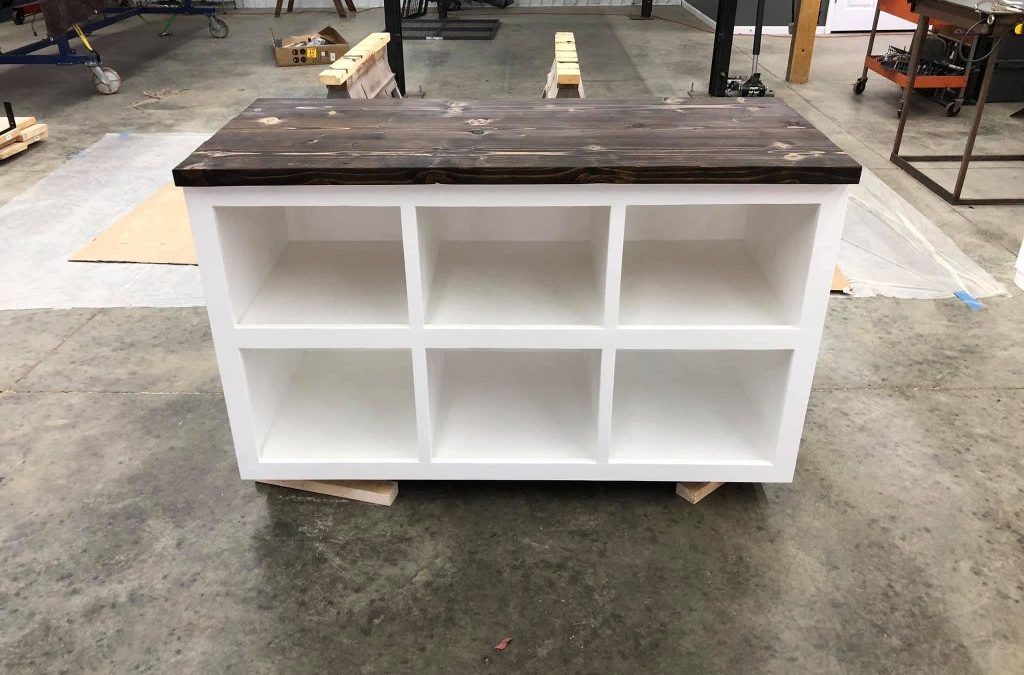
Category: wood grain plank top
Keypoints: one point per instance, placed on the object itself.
(410, 141)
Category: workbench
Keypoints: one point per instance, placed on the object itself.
(546, 289)
(978, 19)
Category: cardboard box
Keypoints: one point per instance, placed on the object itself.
(297, 50)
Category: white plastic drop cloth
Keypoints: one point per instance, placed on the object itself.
(42, 226)
(890, 248)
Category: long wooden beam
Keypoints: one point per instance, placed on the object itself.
(802, 46)
(355, 60)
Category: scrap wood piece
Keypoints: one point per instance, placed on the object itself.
(32, 134)
(694, 492)
(355, 60)
(380, 492)
(564, 78)
(12, 149)
(568, 66)
(20, 124)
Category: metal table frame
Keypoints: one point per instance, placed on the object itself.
(66, 56)
(966, 16)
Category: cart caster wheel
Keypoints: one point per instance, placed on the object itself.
(106, 80)
(218, 28)
(859, 85)
(19, 16)
(952, 109)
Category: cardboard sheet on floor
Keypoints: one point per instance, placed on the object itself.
(35, 272)
(155, 231)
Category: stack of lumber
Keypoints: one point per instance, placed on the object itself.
(23, 135)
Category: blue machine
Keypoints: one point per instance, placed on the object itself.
(106, 80)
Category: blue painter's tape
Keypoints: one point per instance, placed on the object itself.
(969, 300)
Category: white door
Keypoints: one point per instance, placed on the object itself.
(856, 15)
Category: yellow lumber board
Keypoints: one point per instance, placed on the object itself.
(567, 68)
(694, 492)
(29, 135)
(20, 123)
(12, 149)
(801, 47)
(380, 492)
(364, 54)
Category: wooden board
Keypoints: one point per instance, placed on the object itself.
(801, 48)
(360, 57)
(155, 231)
(21, 123)
(12, 149)
(380, 492)
(411, 141)
(694, 492)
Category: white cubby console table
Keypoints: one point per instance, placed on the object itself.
(592, 290)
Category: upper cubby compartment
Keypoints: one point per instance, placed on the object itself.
(513, 265)
(731, 264)
(314, 265)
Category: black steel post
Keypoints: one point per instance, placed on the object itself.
(646, 8)
(725, 25)
(396, 56)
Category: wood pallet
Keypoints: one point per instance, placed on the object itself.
(26, 132)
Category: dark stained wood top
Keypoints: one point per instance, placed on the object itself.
(411, 141)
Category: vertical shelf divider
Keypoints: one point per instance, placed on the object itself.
(613, 276)
(417, 317)
(612, 286)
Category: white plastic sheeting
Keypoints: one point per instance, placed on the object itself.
(890, 248)
(42, 226)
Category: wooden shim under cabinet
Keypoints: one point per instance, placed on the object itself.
(380, 492)
(694, 492)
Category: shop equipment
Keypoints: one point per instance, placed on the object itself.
(105, 79)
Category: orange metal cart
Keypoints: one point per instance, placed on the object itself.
(872, 62)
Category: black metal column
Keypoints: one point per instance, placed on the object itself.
(396, 55)
(646, 8)
(725, 26)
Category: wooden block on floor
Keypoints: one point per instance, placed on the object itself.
(32, 134)
(694, 492)
(12, 149)
(380, 492)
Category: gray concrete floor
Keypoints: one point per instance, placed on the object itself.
(127, 542)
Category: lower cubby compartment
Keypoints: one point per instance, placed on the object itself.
(332, 405)
(514, 406)
(697, 407)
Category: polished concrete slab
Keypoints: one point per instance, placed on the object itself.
(128, 543)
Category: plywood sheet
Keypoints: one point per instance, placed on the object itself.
(155, 231)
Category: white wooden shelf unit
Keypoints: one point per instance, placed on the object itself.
(597, 332)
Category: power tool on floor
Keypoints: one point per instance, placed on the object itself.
(752, 86)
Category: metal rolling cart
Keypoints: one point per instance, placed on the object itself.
(105, 79)
(944, 78)
(985, 18)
